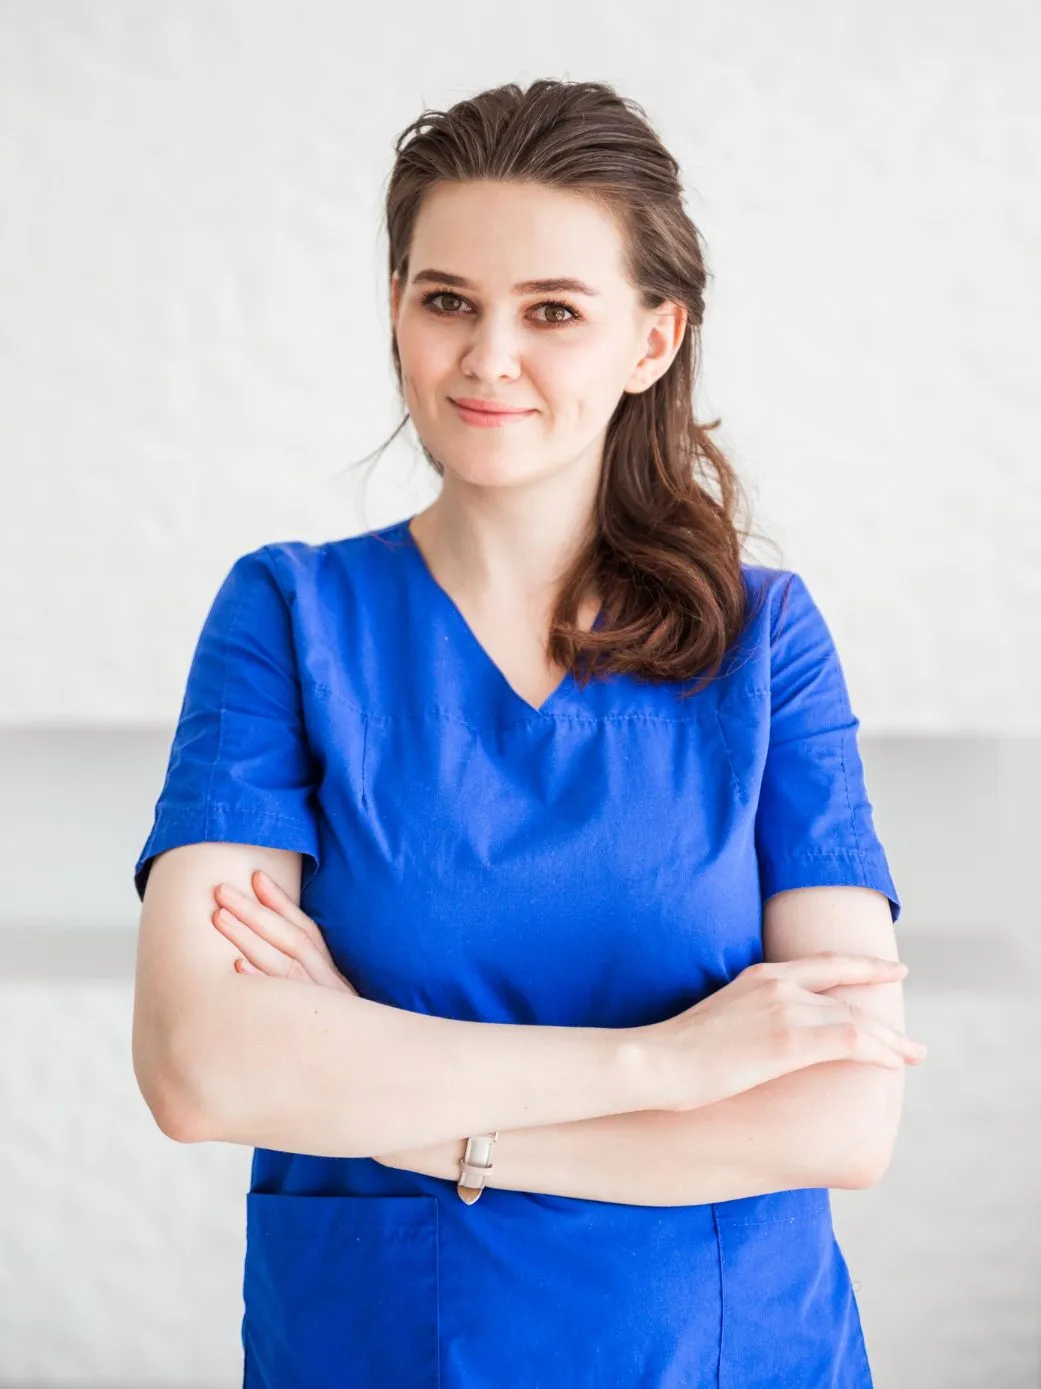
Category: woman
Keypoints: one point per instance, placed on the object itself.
(582, 909)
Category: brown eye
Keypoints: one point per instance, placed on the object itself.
(556, 306)
(428, 300)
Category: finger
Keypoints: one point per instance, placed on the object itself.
(814, 997)
(278, 900)
(279, 948)
(856, 1043)
(910, 1049)
(268, 891)
(831, 968)
(818, 1040)
(257, 951)
(244, 967)
(859, 1035)
(268, 923)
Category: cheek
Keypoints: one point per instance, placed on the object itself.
(421, 354)
(585, 385)
(427, 371)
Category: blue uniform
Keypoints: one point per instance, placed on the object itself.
(598, 862)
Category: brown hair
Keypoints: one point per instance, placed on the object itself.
(665, 552)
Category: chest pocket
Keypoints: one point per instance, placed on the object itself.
(340, 1291)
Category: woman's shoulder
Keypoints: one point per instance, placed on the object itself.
(765, 590)
(761, 578)
(304, 565)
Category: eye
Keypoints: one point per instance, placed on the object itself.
(428, 303)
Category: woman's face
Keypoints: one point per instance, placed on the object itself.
(564, 354)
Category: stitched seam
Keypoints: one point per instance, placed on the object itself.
(175, 814)
(438, 712)
(437, 1289)
(233, 625)
(364, 750)
(722, 1298)
(849, 801)
(799, 854)
(734, 782)
(450, 715)
(771, 1220)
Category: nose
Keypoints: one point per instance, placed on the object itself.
(492, 350)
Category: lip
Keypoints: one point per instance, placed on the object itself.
(485, 407)
(495, 418)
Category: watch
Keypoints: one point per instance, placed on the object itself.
(474, 1165)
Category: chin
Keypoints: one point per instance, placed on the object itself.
(488, 470)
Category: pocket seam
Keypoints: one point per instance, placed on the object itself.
(770, 1220)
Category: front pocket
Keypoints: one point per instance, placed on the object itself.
(340, 1291)
(790, 1316)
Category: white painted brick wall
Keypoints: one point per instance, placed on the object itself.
(194, 337)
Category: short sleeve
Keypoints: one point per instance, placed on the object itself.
(814, 824)
(240, 769)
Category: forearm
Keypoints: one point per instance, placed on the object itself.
(804, 1129)
(277, 1063)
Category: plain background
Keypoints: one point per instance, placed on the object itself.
(194, 351)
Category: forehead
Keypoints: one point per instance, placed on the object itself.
(498, 234)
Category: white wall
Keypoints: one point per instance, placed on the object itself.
(194, 339)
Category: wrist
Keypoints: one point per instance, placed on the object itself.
(643, 1066)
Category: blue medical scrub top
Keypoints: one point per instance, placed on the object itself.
(598, 862)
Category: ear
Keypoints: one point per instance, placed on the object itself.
(667, 326)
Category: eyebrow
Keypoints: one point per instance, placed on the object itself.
(556, 286)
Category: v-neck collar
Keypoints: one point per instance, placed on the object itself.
(469, 637)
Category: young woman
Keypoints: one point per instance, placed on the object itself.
(573, 897)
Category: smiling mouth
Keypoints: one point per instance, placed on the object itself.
(490, 419)
(481, 408)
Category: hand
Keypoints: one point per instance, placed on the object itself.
(774, 1018)
(275, 936)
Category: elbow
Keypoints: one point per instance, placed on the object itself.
(164, 1088)
(866, 1170)
(174, 1117)
(863, 1164)
(866, 1120)
(871, 1139)
(176, 1121)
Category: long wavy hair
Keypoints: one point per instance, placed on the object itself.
(665, 547)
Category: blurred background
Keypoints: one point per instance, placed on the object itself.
(195, 352)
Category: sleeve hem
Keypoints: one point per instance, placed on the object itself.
(842, 867)
(217, 823)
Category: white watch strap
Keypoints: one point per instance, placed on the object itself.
(474, 1165)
